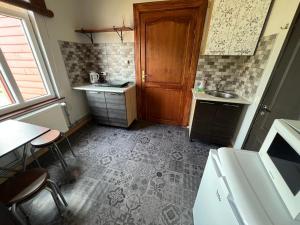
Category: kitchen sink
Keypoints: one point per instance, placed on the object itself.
(221, 94)
(112, 84)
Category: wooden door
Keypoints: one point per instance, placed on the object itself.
(282, 98)
(167, 37)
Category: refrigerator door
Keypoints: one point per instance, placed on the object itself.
(213, 205)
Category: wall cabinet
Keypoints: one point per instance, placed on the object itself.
(215, 122)
(113, 108)
(234, 26)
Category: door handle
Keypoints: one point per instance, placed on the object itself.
(264, 109)
(144, 76)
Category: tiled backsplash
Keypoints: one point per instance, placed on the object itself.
(238, 73)
(116, 59)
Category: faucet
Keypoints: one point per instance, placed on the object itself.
(218, 86)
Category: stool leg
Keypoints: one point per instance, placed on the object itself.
(70, 146)
(16, 215)
(54, 154)
(34, 157)
(60, 156)
(57, 189)
(55, 198)
(24, 213)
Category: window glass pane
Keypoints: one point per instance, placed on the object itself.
(6, 97)
(20, 58)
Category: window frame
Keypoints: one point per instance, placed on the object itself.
(39, 59)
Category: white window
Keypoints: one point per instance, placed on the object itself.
(24, 79)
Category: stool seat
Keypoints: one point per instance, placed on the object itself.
(46, 139)
(22, 186)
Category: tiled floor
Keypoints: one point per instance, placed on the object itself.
(146, 175)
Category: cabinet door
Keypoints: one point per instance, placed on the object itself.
(116, 108)
(203, 119)
(226, 118)
(222, 20)
(215, 122)
(97, 105)
(225, 121)
(235, 26)
(245, 34)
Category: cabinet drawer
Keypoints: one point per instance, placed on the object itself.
(98, 111)
(116, 106)
(116, 114)
(205, 110)
(96, 99)
(114, 98)
(95, 94)
(228, 114)
(101, 119)
(118, 122)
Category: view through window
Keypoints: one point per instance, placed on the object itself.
(21, 78)
(6, 97)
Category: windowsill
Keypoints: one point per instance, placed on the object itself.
(28, 109)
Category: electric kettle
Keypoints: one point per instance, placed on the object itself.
(94, 77)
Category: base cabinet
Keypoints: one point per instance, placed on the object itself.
(113, 108)
(215, 122)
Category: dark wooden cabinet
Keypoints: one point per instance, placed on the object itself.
(215, 122)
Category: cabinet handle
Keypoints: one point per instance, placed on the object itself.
(229, 105)
(95, 92)
(209, 103)
(114, 93)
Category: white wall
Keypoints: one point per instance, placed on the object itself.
(106, 14)
(50, 30)
(282, 13)
(61, 27)
(73, 14)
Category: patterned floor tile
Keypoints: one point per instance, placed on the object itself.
(188, 198)
(173, 194)
(174, 178)
(191, 182)
(194, 170)
(95, 172)
(176, 166)
(139, 185)
(156, 187)
(170, 215)
(186, 216)
(145, 175)
(116, 177)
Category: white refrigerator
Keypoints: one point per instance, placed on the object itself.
(236, 190)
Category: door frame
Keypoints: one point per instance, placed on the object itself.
(140, 8)
(271, 78)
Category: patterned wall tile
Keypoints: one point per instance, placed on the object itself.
(117, 59)
(236, 73)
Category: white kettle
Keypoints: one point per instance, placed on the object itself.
(94, 77)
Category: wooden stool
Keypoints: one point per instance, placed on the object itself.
(48, 140)
(26, 185)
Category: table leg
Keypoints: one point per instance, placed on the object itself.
(24, 157)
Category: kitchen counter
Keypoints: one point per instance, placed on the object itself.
(206, 97)
(113, 106)
(91, 87)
